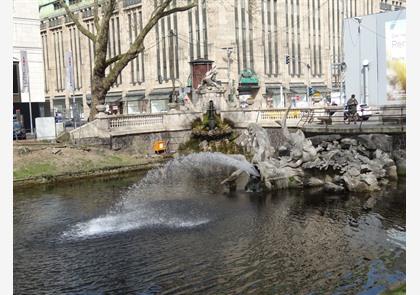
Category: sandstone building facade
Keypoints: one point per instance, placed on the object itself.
(260, 33)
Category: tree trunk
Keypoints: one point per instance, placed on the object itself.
(99, 87)
(98, 95)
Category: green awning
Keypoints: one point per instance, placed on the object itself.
(160, 93)
(135, 95)
(113, 97)
(248, 76)
(321, 89)
(248, 87)
(301, 89)
(275, 89)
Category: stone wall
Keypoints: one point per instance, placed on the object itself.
(143, 143)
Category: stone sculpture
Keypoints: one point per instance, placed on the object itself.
(335, 163)
(209, 81)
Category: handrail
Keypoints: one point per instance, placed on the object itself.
(297, 117)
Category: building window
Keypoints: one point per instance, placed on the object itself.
(72, 2)
(294, 57)
(59, 59)
(314, 37)
(287, 34)
(270, 37)
(133, 107)
(135, 24)
(91, 47)
(197, 27)
(76, 55)
(57, 5)
(114, 45)
(167, 46)
(244, 34)
(299, 56)
(46, 61)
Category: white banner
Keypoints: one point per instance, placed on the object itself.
(69, 71)
(25, 70)
(395, 57)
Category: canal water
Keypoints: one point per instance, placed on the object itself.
(176, 231)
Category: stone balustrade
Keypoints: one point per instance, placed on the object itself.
(117, 125)
(136, 120)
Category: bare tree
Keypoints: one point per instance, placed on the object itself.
(102, 81)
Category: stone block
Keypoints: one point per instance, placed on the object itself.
(376, 141)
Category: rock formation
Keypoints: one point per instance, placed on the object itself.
(335, 163)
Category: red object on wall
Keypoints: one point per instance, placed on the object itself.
(199, 69)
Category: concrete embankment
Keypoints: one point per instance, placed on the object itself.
(46, 163)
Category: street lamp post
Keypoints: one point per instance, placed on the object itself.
(359, 20)
(308, 67)
(365, 80)
(229, 51)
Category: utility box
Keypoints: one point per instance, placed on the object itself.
(159, 147)
(45, 128)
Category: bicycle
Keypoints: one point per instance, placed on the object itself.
(349, 117)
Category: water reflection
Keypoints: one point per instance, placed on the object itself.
(122, 237)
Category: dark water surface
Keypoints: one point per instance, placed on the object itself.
(184, 235)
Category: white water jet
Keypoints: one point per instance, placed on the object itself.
(142, 207)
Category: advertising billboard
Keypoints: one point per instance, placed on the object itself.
(395, 59)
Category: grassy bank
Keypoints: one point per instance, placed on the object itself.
(42, 163)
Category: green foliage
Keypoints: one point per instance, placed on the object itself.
(228, 122)
(190, 146)
(196, 123)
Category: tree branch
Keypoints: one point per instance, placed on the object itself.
(178, 9)
(96, 16)
(137, 46)
(111, 60)
(76, 21)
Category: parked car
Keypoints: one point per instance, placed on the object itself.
(18, 130)
(363, 112)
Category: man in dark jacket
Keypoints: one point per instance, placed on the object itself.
(352, 104)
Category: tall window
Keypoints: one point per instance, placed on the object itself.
(294, 22)
(114, 44)
(197, 31)
(244, 34)
(288, 34)
(59, 59)
(75, 47)
(298, 25)
(335, 11)
(270, 37)
(314, 37)
(91, 47)
(135, 25)
(46, 59)
(167, 46)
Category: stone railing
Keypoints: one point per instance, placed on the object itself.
(330, 117)
(159, 122)
(136, 120)
(268, 117)
(299, 117)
